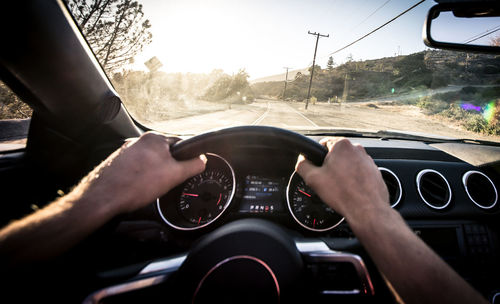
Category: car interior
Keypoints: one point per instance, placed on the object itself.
(275, 238)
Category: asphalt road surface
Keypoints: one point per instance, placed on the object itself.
(292, 115)
(260, 112)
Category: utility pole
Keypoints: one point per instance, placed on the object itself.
(346, 88)
(314, 62)
(286, 81)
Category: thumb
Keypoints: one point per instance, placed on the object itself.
(193, 166)
(304, 168)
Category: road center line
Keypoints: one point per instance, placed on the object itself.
(258, 120)
(310, 121)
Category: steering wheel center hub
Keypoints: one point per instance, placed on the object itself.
(255, 282)
(250, 259)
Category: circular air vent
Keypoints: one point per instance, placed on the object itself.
(393, 185)
(434, 189)
(480, 189)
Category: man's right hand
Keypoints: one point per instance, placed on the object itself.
(348, 181)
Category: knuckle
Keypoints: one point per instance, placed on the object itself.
(300, 166)
(360, 148)
(151, 136)
(196, 166)
(311, 178)
(343, 143)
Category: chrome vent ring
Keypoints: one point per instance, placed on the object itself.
(434, 189)
(480, 189)
(393, 184)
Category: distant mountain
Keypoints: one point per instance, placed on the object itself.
(280, 77)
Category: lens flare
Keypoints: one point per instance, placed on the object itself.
(490, 111)
(470, 107)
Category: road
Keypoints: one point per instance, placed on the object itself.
(260, 112)
(367, 116)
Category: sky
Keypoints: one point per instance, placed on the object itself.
(463, 30)
(264, 36)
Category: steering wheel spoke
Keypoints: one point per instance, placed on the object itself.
(329, 273)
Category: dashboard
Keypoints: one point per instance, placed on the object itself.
(450, 204)
(423, 182)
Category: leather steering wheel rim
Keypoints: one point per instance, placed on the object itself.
(248, 135)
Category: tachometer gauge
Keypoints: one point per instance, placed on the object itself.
(308, 209)
(201, 199)
(205, 196)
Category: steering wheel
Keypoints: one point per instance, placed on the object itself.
(224, 139)
(248, 260)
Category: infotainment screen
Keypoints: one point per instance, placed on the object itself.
(262, 195)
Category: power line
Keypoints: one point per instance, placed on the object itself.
(378, 28)
(476, 35)
(374, 12)
(481, 35)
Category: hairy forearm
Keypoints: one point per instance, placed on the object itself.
(416, 273)
(53, 229)
(130, 178)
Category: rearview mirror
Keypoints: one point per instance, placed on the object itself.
(468, 26)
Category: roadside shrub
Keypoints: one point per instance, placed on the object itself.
(431, 105)
(475, 123)
(455, 113)
(408, 101)
(492, 129)
(471, 121)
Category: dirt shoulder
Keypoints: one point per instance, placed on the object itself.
(383, 116)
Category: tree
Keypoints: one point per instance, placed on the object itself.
(226, 86)
(115, 29)
(317, 69)
(495, 41)
(330, 64)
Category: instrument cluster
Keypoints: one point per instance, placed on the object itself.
(202, 199)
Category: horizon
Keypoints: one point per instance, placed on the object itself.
(305, 69)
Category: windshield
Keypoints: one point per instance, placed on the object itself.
(185, 67)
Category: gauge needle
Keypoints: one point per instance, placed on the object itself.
(190, 194)
(220, 196)
(199, 220)
(305, 193)
(314, 223)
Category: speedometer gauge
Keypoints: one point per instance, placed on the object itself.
(307, 208)
(202, 199)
